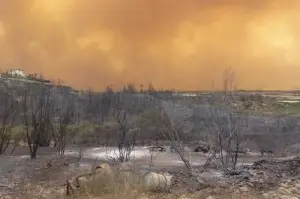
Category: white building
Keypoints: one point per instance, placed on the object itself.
(17, 73)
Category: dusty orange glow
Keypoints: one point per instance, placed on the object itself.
(174, 44)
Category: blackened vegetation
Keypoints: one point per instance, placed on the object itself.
(8, 114)
(50, 115)
(267, 152)
(37, 102)
(64, 118)
(202, 149)
(53, 115)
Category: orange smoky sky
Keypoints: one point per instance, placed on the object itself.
(173, 43)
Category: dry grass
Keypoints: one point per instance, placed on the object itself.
(121, 185)
(125, 185)
(118, 186)
(119, 189)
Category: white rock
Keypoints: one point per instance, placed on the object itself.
(297, 185)
(284, 185)
(295, 190)
(283, 190)
(244, 189)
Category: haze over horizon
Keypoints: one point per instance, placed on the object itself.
(184, 45)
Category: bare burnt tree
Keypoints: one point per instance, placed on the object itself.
(288, 135)
(37, 104)
(98, 105)
(125, 141)
(222, 125)
(123, 112)
(170, 131)
(167, 127)
(107, 100)
(130, 88)
(64, 118)
(225, 125)
(93, 106)
(8, 114)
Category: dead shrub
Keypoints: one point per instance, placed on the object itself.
(107, 186)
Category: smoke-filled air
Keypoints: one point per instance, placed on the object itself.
(184, 45)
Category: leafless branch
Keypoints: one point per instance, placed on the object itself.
(37, 105)
(8, 114)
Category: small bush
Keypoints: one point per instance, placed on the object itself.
(18, 135)
(85, 133)
(88, 133)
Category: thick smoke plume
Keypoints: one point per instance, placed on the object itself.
(174, 44)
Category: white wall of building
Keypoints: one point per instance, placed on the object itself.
(17, 73)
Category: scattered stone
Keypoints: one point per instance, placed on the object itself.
(295, 190)
(250, 184)
(244, 189)
(283, 190)
(48, 165)
(284, 185)
(65, 164)
(297, 185)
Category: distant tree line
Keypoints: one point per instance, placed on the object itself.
(48, 114)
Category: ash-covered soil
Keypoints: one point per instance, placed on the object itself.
(254, 173)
